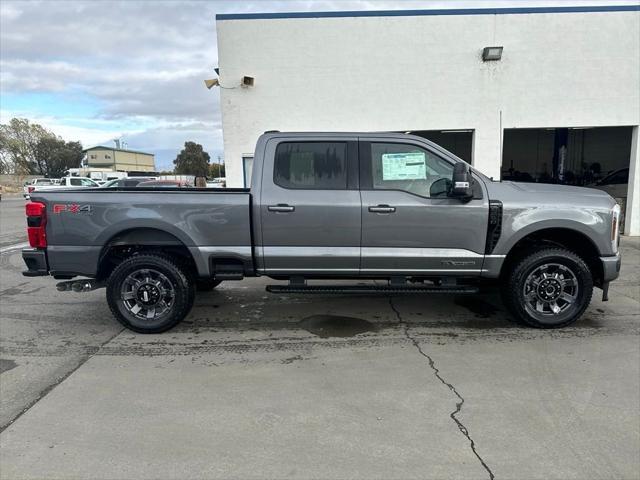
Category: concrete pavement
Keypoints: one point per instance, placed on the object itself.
(254, 386)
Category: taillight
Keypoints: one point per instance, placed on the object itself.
(31, 189)
(36, 223)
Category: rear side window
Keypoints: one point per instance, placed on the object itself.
(311, 165)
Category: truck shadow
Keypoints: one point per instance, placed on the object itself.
(357, 315)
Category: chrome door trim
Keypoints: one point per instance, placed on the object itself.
(281, 270)
(417, 252)
(287, 251)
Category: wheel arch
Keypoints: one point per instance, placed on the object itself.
(574, 240)
(132, 241)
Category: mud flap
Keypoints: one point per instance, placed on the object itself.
(605, 292)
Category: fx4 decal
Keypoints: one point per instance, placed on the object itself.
(72, 208)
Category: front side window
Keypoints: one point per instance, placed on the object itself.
(401, 166)
(311, 165)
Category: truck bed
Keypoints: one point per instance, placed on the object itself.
(81, 222)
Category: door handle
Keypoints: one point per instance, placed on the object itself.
(281, 208)
(382, 209)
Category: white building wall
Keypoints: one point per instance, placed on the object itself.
(398, 73)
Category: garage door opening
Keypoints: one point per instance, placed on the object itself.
(594, 157)
(458, 142)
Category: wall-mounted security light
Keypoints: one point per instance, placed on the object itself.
(491, 54)
(245, 82)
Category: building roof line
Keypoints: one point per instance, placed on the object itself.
(434, 12)
(103, 147)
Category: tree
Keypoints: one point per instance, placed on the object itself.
(54, 156)
(192, 160)
(216, 170)
(18, 143)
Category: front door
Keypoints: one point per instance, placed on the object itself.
(310, 206)
(409, 225)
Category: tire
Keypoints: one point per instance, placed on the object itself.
(150, 284)
(206, 285)
(549, 288)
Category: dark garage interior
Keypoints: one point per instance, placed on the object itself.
(458, 142)
(572, 156)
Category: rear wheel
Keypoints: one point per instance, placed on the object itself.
(150, 293)
(549, 288)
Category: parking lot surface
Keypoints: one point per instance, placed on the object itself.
(254, 385)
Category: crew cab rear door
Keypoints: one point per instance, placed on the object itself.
(310, 206)
(409, 224)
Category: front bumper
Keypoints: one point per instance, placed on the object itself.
(610, 267)
(36, 261)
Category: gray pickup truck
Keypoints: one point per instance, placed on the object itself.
(332, 206)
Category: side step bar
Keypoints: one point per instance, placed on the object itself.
(338, 289)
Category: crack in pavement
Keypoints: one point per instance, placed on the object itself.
(436, 372)
(83, 359)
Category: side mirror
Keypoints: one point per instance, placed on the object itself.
(461, 182)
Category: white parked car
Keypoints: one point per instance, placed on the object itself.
(30, 185)
(219, 182)
(66, 182)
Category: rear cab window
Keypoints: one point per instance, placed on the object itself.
(311, 165)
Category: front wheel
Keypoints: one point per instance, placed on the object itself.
(549, 288)
(150, 293)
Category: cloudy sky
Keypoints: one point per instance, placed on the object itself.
(98, 70)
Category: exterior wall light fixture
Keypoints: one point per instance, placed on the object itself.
(491, 54)
(245, 82)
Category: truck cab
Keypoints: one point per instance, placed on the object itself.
(358, 205)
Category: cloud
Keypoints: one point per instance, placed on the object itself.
(138, 65)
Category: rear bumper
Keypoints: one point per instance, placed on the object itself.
(610, 267)
(36, 261)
